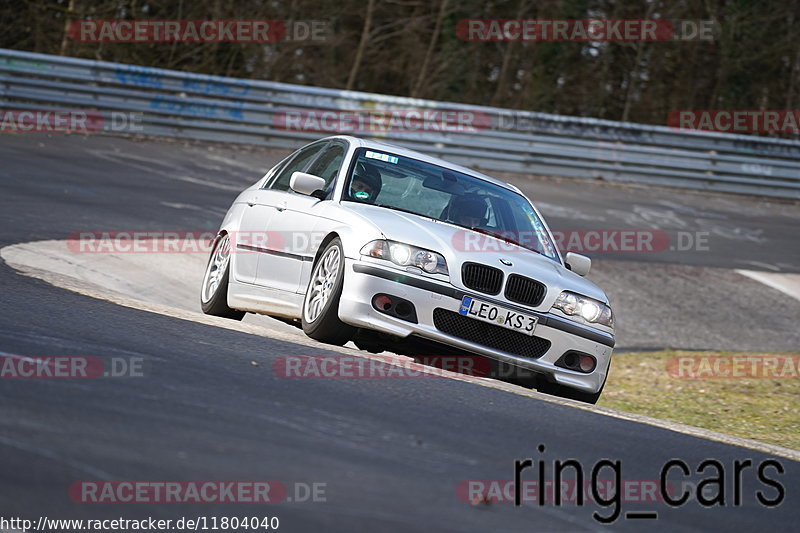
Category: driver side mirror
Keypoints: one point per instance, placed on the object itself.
(580, 264)
(307, 184)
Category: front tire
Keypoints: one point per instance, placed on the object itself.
(320, 318)
(214, 291)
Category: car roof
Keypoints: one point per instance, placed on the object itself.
(405, 152)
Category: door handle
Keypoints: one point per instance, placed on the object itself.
(251, 204)
(281, 206)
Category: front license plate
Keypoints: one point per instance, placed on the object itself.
(498, 316)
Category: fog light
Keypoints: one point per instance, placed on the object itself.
(587, 363)
(382, 302)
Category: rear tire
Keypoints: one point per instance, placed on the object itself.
(214, 291)
(320, 317)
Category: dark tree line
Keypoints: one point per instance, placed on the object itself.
(410, 48)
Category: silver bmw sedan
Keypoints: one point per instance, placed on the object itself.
(358, 240)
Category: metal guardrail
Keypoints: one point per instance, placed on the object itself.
(215, 108)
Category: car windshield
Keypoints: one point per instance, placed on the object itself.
(405, 184)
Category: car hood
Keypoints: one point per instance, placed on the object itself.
(459, 246)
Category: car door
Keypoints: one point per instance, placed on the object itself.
(254, 237)
(252, 234)
(298, 222)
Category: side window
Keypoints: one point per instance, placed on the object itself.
(297, 164)
(327, 165)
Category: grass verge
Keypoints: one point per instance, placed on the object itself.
(747, 394)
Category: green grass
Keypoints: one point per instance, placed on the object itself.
(759, 408)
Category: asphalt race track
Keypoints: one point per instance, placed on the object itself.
(390, 453)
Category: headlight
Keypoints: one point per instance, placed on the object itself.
(406, 255)
(587, 309)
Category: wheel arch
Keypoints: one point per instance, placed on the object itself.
(322, 245)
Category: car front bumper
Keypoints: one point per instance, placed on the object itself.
(363, 280)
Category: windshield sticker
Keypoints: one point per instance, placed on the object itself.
(382, 157)
(362, 195)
